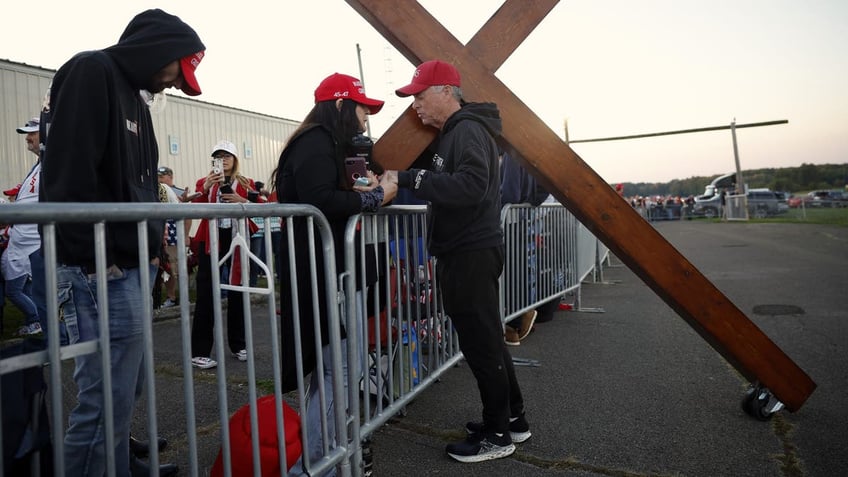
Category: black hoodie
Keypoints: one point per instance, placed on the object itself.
(463, 185)
(100, 144)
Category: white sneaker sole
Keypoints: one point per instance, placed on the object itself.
(519, 437)
(499, 454)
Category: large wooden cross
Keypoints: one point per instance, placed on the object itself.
(420, 37)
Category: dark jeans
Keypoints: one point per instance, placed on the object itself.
(39, 291)
(257, 246)
(276, 237)
(470, 293)
(202, 337)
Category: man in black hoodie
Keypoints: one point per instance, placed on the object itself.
(463, 188)
(100, 147)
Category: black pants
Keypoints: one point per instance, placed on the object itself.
(202, 337)
(470, 292)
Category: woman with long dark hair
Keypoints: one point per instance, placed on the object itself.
(312, 171)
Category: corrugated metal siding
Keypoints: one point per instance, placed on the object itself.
(22, 89)
(195, 126)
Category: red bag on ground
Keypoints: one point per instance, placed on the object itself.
(240, 444)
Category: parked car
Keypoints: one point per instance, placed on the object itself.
(826, 198)
(783, 201)
(796, 201)
(761, 203)
(708, 205)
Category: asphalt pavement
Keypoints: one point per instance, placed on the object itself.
(634, 391)
(630, 391)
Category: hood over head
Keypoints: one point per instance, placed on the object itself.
(486, 114)
(151, 41)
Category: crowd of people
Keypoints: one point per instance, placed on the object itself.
(466, 180)
(663, 207)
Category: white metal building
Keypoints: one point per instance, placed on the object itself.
(186, 130)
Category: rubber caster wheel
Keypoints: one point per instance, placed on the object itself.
(759, 403)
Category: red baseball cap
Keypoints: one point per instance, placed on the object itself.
(430, 73)
(342, 86)
(13, 191)
(188, 64)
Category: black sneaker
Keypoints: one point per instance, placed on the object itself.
(519, 430)
(490, 446)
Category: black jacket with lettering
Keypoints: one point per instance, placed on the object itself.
(463, 183)
(100, 145)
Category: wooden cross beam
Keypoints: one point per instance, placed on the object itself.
(419, 37)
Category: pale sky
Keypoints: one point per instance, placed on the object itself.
(611, 68)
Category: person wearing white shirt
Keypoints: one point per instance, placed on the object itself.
(24, 239)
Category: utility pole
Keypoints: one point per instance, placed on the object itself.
(362, 78)
(740, 182)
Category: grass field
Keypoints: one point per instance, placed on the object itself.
(826, 216)
(821, 216)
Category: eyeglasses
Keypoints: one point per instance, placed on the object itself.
(222, 155)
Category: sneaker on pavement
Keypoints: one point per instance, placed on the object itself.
(489, 446)
(30, 329)
(241, 355)
(519, 430)
(367, 459)
(527, 321)
(203, 362)
(169, 303)
(511, 336)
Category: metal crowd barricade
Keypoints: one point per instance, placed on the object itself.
(404, 341)
(399, 340)
(99, 215)
(548, 253)
(541, 262)
(736, 207)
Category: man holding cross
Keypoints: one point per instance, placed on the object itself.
(462, 186)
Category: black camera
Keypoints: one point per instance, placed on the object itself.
(360, 146)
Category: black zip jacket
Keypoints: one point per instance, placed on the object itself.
(463, 185)
(100, 144)
(309, 172)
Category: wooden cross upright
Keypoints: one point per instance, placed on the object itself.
(420, 37)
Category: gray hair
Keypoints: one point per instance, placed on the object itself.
(456, 91)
